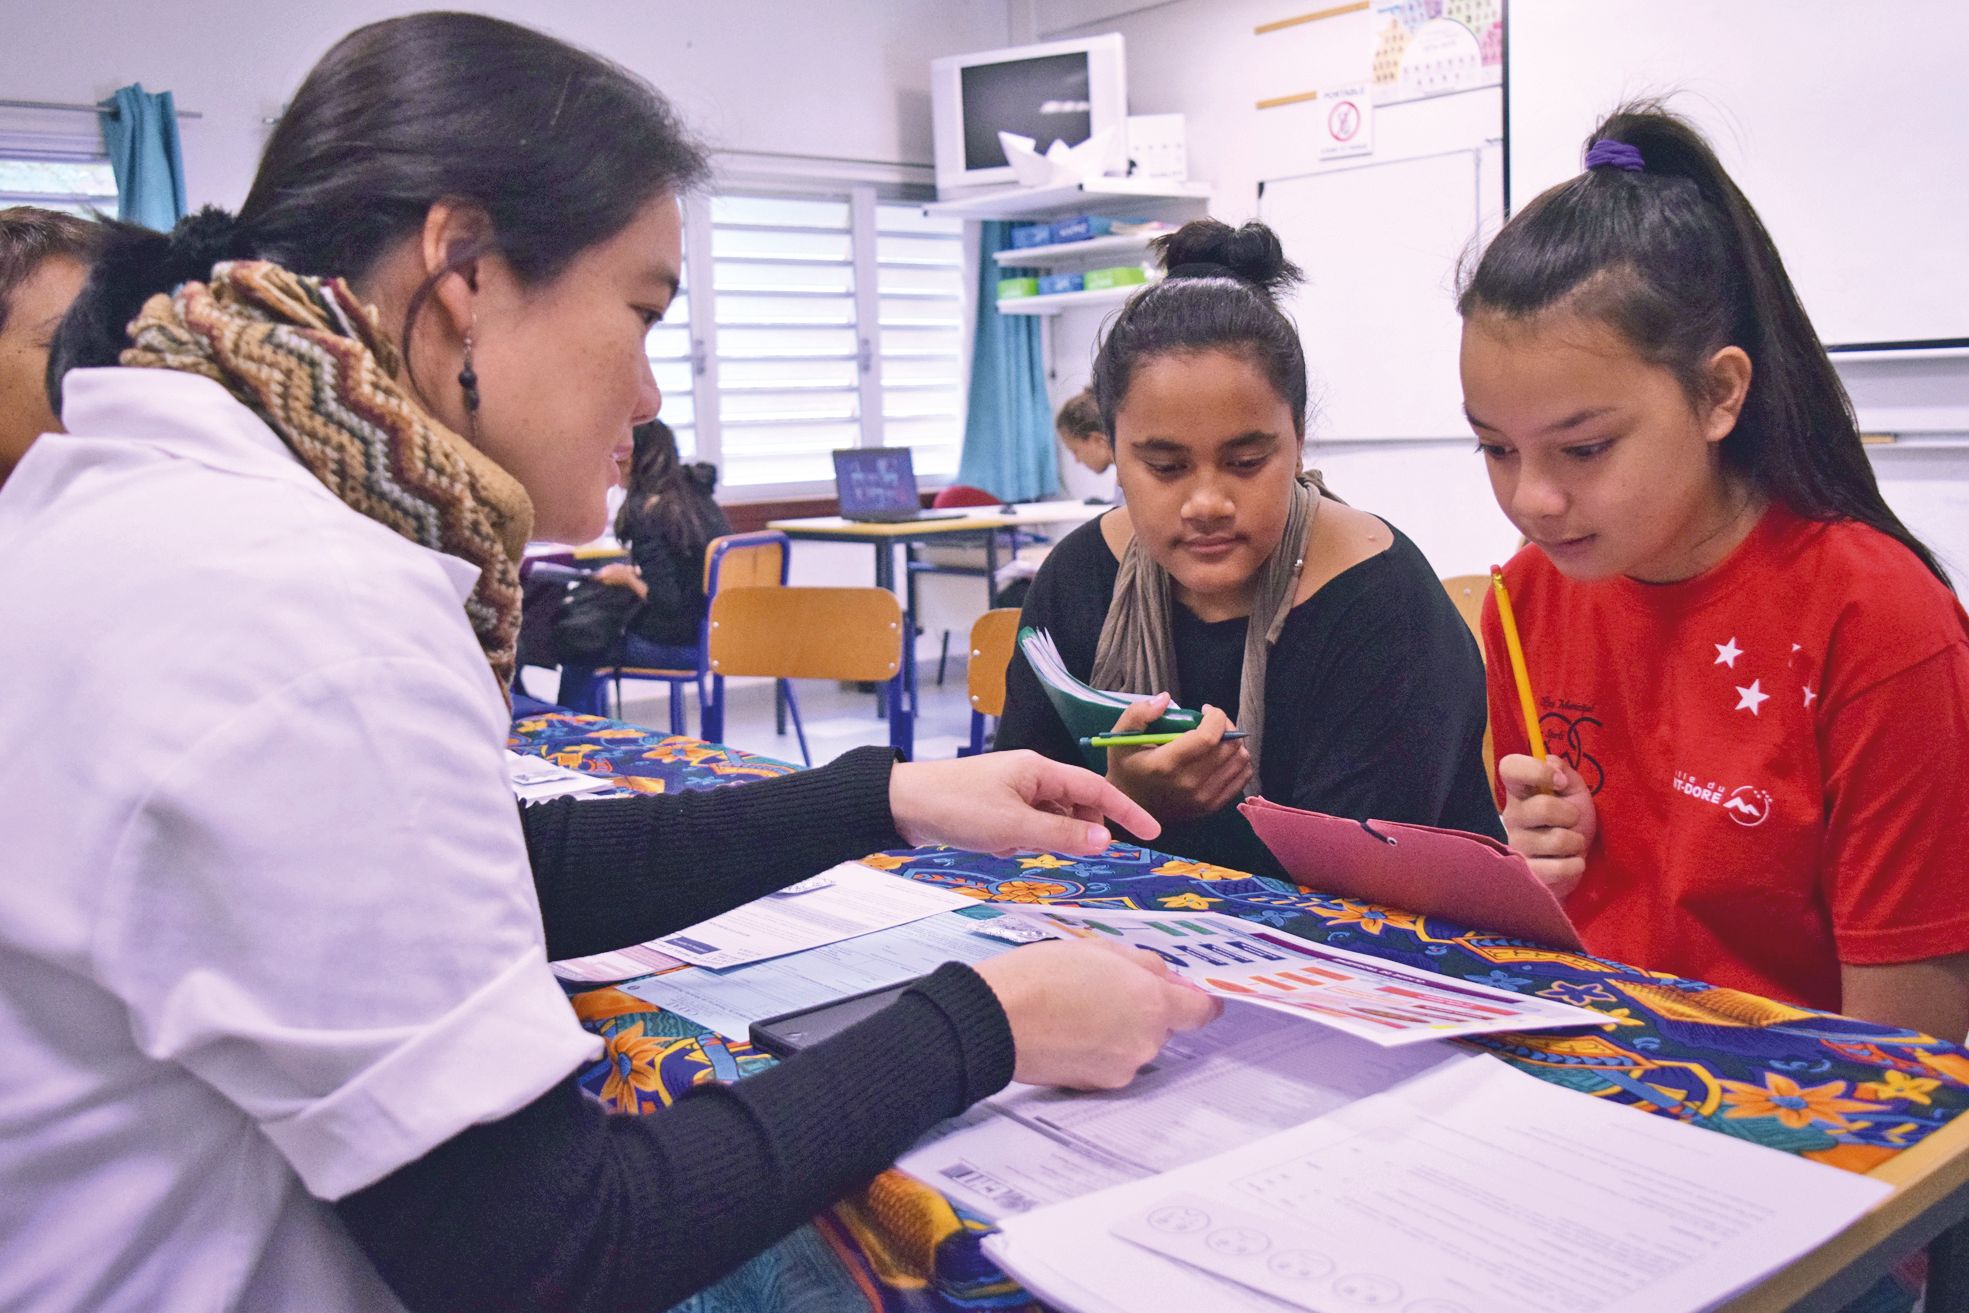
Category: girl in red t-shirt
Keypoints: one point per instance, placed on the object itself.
(1752, 679)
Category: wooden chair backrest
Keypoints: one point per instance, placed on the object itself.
(1467, 591)
(806, 633)
(992, 638)
(746, 564)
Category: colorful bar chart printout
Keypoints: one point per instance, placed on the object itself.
(1378, 1000)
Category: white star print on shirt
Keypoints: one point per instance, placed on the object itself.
(1810, 697)
(1727, 653)
(1752, 698)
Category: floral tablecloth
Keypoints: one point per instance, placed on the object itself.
(1836, 1090)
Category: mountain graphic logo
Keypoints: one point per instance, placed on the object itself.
(1747, 806)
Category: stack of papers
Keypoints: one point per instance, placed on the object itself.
(1368, 997)
(730, 1001)
(622, 964)
(843, 903)
(1265, 1163)
(846, 901)
(535, 779)
(1242, 1077)
(1472, 1188)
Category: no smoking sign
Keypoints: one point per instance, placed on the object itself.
(1349, 127)
(1343, 121)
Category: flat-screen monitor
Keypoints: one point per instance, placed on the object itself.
(1059, 91)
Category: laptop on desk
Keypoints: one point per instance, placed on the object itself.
(877, 485)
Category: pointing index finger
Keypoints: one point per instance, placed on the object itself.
(1082, 788)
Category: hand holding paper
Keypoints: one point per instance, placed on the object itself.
(1460, 877)
(1088, 1016)
(1202, 770)
(1085, 710)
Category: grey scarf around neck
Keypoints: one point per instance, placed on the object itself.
(1137, 652)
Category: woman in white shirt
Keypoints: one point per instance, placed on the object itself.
(273, 934)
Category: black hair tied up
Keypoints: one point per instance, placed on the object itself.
(1220, 294)
(135, 263)
(1212, 248)
(559, 147)
(1674, 259)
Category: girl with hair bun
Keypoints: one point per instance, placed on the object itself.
(1754, 679)
(1233, 582)
(279, 1028)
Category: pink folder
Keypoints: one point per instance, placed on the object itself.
(1465, 878)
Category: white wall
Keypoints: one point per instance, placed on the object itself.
(850, 81)
(1879, 255)
(842, 80)
(1200, 58)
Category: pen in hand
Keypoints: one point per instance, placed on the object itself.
(1147, 740)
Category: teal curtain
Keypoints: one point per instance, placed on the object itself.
(1008, 428)
(140, 131)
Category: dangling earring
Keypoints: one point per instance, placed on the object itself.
(468, 380)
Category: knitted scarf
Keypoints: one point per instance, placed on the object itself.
(1137, 650)
(313, 362)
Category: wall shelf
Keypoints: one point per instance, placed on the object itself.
(1061, 253)
(1103, 194)
(1054, 303)
(1843, 356)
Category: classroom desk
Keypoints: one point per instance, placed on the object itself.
(885, 538)
(986, 522)
(1671, 1047)
(1054, 518)
(600, 551)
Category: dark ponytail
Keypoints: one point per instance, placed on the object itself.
(1220, 295)
(1672, 256)
(132, 264)
(560, 147)
(667, 498)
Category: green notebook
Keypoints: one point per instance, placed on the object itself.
(1087, 710)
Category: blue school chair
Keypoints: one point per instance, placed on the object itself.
(848, 634)
(735, 560)
(992, 638)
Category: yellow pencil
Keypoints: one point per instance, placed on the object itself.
(1509, 623)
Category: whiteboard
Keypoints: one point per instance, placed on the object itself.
(1380, 244)
(1846, 124)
